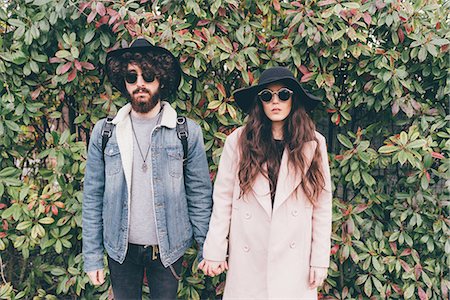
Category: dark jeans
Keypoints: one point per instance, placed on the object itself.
(127, 278)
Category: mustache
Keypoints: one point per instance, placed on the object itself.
(141, 90)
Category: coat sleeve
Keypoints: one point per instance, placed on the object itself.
(92, 218)
(216, 244)
(198, 186)
(322, 216)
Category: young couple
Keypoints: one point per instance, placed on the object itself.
(146, 196)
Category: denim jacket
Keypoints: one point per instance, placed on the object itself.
(182, 204)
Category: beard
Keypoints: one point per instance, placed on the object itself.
(144, 104)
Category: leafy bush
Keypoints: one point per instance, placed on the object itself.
(381, 68)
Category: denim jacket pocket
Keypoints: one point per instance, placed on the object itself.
(112, 159)
(175, 162)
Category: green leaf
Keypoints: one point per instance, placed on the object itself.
(12, 125)
(416, 144)
(46, 220)
(345, 141)
(24, 225)
(387, 149)
(41, 2)
(409, 292)
(16, 22)
(63, 54)
(214, 104)
(368, 287)
(368, 179)
(379, 87)
(89, 36)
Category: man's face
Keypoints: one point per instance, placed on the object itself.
(142, 88)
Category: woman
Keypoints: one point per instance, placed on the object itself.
(272, 197)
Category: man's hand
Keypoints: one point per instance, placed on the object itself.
(317, 276)
(212, 268)
(97, 277)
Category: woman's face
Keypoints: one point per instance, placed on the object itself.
(276, 109)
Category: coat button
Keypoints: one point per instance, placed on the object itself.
(246, 248)
(295, 212)
(111, 151)
(292, 245)
(248, 215)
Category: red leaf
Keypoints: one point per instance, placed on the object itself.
(272, 44)
(2, 205)
(221, 89)
(59, 204)
(427, 175)
(406, 252)
(2, 234)
(379, 51)
(87, 65)
(5, 225)
(54, 60)
(326, 2)
(380, 4)
(437, 155)
(397, 289)
(438, 25)
(417, 271)
(84, 5)
(222, 28)
(306, 77)
(405, 266)
(367, 18)
(250, 77)
(202, 22)
(103, 20)
(401, 35)
(360, 208)
(61, 95)
(78, 65)
(100, 8)
(301, 28)
(276, 5)
(54, 210)
(261, 39)
(408, 28)
(338, 120)
(422, 294)
(222, 12)
(47, 208)
(72, 75)
(393, 247)
(339, 157)
(34, 94)
(66, 67)
(304, 70)
(334, 249)
(91, 16)
(113, 19)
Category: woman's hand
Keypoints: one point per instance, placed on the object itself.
(317, 276)
(212, 268)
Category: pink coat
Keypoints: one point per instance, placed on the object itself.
(269, 250)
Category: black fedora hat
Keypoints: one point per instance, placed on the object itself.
(140, 45)
(245, 97)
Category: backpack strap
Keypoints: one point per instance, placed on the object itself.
(106, 133)
(183, 134)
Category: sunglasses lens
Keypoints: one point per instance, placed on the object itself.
(150, 77)
(284, 94)
(265, 96)
(131, 77)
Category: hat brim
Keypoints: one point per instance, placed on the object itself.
(246, 97)
(116, 54)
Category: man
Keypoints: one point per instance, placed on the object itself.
(142, 202)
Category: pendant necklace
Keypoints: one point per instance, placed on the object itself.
(144, 166)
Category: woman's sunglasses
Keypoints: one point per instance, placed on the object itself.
(131, 77)
(283, 94)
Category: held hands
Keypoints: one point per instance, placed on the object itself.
(317, 276)
(97, 277)
(212, 268)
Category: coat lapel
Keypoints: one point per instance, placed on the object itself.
(261, 190)
(124, 138)
(288, 180)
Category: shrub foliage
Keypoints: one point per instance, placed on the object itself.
(381, 68)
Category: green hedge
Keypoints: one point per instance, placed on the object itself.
(381, 67)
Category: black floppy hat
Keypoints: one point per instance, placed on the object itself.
(245, 97)
(140, 45)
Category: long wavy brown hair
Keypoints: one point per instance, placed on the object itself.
(258, 149)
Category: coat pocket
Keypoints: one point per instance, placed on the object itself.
(112, 159)
(175, 157)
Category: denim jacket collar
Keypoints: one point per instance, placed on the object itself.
(168, 119)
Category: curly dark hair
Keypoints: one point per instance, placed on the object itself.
(160, 64)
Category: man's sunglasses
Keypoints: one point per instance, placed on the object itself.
(131, 77)
(283, 94)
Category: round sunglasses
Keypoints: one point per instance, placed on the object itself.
(131, 77)
(283, 94)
